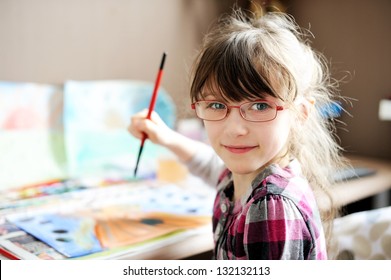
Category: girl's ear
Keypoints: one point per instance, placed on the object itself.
(305, 105)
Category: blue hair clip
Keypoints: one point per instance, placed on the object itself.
(331, 110)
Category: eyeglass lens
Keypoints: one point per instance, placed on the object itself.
(252, 111)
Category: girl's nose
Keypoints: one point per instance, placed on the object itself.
(234, 123)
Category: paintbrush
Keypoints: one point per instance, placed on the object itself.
(150, 110)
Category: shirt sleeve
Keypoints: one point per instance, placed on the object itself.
(276, 230)
(206, 165)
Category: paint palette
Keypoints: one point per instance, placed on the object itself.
(172, 199)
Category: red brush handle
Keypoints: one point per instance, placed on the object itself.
(154, 94)
(151, 107)
(155, 90)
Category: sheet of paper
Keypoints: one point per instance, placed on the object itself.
(24, 245)
(68, 234)
(96, 116)
(31, 137)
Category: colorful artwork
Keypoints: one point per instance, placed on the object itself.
(46, 133)
(69, 235)
(96, 116)
(121, 231)
(26, 246)
(31, 137)
(94, 220)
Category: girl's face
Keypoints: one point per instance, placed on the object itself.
(247, 147)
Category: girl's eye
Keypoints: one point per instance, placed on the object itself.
(216, 106)
(260, 106)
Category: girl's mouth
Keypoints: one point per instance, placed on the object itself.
(239, 149)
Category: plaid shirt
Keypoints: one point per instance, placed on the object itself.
(277, 219)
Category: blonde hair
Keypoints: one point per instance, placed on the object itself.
(246, 57)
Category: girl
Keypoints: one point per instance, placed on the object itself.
(258, 86)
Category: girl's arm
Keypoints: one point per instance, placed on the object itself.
(159, 133)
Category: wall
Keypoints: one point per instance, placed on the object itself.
(356, 37)
(50, 41)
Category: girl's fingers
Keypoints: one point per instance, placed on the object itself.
(155, 128)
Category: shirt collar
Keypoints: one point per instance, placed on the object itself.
(291, 170)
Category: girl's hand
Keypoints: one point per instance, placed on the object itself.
(155, 129)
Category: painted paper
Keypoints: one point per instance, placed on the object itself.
(31, 136)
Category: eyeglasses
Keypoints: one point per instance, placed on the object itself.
(254, 111)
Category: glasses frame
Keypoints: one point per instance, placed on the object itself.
(277, 108)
